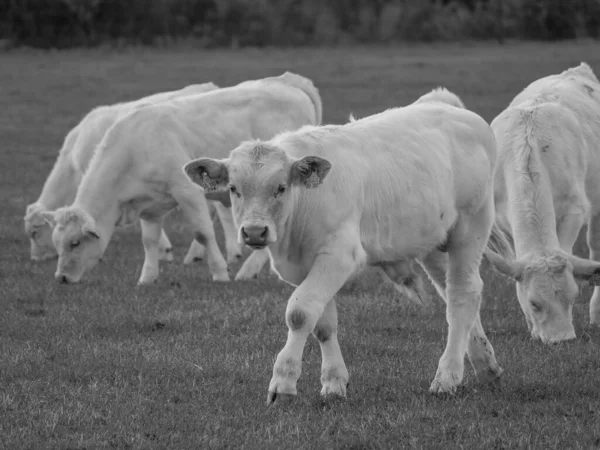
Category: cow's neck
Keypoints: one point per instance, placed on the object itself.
(98, 193)
(530, 203)
(60, 186)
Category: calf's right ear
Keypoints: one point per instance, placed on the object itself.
(210, 174)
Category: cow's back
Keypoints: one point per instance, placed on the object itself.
(564, 115)
(405, 175)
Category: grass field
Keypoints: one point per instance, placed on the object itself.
(186, 363)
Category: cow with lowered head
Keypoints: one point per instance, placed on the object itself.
(547, 186)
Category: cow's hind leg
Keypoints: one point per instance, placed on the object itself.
(435, 265)
(463, 291)
(480, 352)
(234, 249)
(151, 232)
(165, 248)
(196, 252)
(334, 375)
(593, 241)
(195, 209)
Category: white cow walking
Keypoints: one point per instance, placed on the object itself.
(412, 183)
(136, 170)
(546, 187)
(77, 150)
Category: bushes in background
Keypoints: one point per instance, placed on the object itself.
(67, 23)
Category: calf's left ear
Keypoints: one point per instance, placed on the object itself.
(49, 217)
(90, 229)
(210, 174)
(309, 171)
(585, 270)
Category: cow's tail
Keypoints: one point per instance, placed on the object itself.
(443, 95)
(307, 86)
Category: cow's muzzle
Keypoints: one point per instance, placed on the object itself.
(255, 236)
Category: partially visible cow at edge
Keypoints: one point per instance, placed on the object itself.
(77, 150)
(412, 183)
(546, 187)
(136, 170)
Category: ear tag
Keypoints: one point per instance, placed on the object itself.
(312, 181)
(207, 183)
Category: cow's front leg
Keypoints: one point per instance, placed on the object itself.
(334, 375)
(151, 232)
(304, 309)
(234, 248)
(195, 209)
(253, 265)
(164, 247)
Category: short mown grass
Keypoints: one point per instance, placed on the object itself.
(186, 363)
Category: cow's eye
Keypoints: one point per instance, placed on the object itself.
(74, 244)
(234, 190)
(280, 190)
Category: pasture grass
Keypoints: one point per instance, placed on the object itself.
(186, 363)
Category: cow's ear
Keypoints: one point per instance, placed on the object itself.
(585, 270)
(49, 217)
(309, 171)
(210, 174)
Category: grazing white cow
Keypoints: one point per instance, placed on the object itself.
(136, 170)
(77, 150)
(547, 186)
(412, 183)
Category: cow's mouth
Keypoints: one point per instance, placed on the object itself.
(256, 246)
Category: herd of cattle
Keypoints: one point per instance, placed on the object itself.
(429, 183)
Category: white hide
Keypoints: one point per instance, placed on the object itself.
(77, 150)
(547, 186)
(136, 170)
(408, 184)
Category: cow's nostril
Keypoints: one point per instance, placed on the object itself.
(244, 234)
(265, 233)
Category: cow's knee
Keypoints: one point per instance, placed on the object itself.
(323, 333)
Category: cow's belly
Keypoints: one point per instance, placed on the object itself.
(408, 236)
(156, 209)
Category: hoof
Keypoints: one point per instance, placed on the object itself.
(166, 255)
(334, 388)
(444, 384)
(223, 278)
(192, 259)
(280, 398)
(234, 258)
(243, 276)
(489, 375)
(146, 282)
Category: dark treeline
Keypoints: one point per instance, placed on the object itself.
(69, 23)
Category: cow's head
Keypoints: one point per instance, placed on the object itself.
(547, 287)
(39, 233)
(261, 179)
(77, 239)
